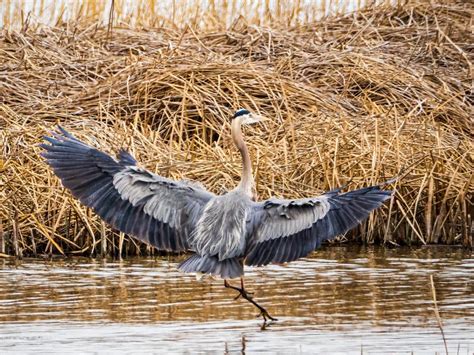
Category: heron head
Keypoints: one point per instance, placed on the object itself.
(247, 117)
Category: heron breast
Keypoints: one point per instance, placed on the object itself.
(221, 229)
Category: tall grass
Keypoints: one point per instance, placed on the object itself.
(178, 14)
(361, 97)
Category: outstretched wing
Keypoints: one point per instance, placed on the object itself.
(285, 230)
(156, 210)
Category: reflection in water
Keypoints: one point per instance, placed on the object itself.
(340, 299)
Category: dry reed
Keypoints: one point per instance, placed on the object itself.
(360, 97)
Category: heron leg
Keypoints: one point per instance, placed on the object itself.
(244, 294)
(242, 287)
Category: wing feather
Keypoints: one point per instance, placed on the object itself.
(155, 209)
(286, 230)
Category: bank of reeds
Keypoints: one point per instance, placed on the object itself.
(362, 98)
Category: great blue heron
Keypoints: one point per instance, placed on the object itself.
(224, 232)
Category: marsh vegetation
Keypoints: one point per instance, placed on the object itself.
(361, 97)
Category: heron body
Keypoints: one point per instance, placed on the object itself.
(224, 232)
(221, 230)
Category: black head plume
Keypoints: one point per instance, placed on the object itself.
(241, 112)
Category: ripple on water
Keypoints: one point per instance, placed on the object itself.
(339, 300)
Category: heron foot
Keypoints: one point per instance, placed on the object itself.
(247, 296)
(264, 314)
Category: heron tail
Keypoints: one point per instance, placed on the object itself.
(211, 265)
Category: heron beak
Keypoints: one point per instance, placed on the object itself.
(253, 118)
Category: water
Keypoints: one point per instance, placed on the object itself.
(340, 300)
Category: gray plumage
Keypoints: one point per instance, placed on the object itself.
(159, 211)
(224, 232)
(220, 230)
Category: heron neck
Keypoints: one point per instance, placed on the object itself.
(246, 181)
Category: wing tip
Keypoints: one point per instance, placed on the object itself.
(65, 133)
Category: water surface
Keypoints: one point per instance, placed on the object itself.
(339, 300)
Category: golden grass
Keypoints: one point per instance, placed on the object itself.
(361, 97)
(177, 14)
